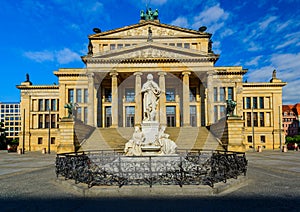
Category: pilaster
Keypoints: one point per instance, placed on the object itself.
(114, 99)
(162, 99)
(138, 98)
(186, 98)
(91, 84)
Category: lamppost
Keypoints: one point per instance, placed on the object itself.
(49, 131)
(279, 115)
(252, 123)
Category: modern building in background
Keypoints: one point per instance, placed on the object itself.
(290, 119)
(107, 92)
(10, 116)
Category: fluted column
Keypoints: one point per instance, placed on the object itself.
(114, 99)
(186, 98)
(138, 98)
(91, 87)
(210, 99)
(162, 99)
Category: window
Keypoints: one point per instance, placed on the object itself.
(255, 121)
(262, 119)
(53, 105)
(249, 124)
(215, 114)
(85, 95)
(179, 45)
(70, 95)
(52, 140)
(187, 45)
(263, 139)
(112, 46)
(255, 102)
(107, 94)
(172, 44)
(41, 105)
(47, 104)
(78, 113)
(248, 103)
(85, 115)
(119, 46)
(261, 102)
(78, 95)
(249, 138)
(215, 94)
(40, 121)
(40, 140)
(230, 93)
(222, 94)
(170, 95)
(192, 94)
(47, 121)
(53, 121)
(129, 95)
(222, 111)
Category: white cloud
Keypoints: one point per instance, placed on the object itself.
(264, 24)
(254, 61)
(180, 21)
(155, 2)
(63, 56)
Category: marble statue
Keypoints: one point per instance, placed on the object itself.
(133, 146)
(151, 93)
(168, 146)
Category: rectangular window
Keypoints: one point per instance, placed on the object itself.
(170, 94)
(127, 44)
(263, 139)
(261, 103)
(120, 46)
(53, 105)
(249, 138)
(179, 45)
(255, 120)
(52, 140)
(112, 46)
(222, 111)
(254, 102)
(172, 44)
(129, 95)
(130, 116)
(78, 95)
(40, 121)
(70, 95)
(40, 140)
(78, 113)
(41, 108)
(85, 95)
(47, 104)
(249, 124)
(47, 121)
(85, 115)
(215, 114)
(215, 94)
(262, 119)
(248, 103)
(193, 94)
(53, 119)
(222, 94)
(230, 93)
(186, 45)
(107, 94)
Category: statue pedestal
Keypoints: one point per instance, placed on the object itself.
(150, 131)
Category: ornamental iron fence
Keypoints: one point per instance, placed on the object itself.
(187, 167)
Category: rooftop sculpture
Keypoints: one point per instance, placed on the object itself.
(149, 14)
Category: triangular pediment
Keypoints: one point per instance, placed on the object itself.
(141, 29)
(151, 50)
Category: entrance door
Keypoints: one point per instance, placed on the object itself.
(171, 116)
(193, 116)
(107, 116)
(130, 116)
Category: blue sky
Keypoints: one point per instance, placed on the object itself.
(40, 36)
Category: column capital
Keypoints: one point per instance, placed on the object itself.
(138, 73)
(113, 74)
(186, 73)
(162, 73)
(90, 75)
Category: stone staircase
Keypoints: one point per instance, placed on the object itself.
(185, 138)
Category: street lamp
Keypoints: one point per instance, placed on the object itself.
(49, 131)
(252, 123)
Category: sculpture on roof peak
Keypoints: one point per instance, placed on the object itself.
(149, 14)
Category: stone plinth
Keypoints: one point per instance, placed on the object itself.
(67, 136)
(235, 127)
(150, 131)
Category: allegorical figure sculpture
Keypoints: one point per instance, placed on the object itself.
(168, 146)
(71, 109)
(151, 93)
(230, 106)
(133, 146)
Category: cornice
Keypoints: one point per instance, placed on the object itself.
(266, 84)
(46, 87)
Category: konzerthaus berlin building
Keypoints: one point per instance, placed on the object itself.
(107, 92)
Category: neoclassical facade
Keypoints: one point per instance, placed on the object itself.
(107, 92)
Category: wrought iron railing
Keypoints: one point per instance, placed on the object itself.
(193, 167)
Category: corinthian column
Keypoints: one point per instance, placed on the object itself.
(162, 99)
(91, 87)
(186, 98)
(138, 98)
(114, 99)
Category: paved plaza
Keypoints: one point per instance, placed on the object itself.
(28, 183)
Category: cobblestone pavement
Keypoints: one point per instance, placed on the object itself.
(28, 183)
